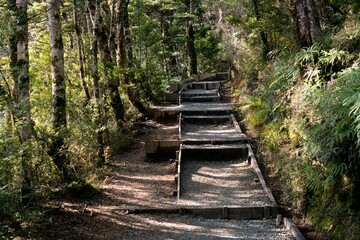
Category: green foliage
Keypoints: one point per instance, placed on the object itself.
(120, 141)
(257, 110)
(308, 55)
(6, 18)
(210, 52)
(9, 148)
(273, 136)
(316, 131)
(305, 103)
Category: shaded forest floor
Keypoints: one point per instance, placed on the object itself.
(135, 182)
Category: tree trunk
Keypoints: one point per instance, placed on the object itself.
(80, 52)
(58, 147)
(6, 97)
(171, 61)
(109, 63)
(307, 22)
(263, 34)
(191, 41)
(125, 55)
(121, 58)
(19, 62)
(96, 86)
(191, 50)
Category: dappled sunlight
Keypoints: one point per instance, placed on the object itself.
(221, 183)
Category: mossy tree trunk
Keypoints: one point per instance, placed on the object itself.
(106, 40)
(19, 63)
(125, 55)
(58, 147)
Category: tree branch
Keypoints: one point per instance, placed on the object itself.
(6, 84)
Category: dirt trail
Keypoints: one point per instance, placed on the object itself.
(135, 182)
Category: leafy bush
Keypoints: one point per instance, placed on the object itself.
(307, 109)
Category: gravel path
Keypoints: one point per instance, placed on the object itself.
(210, 131)
(196, 228)
(221, 183)
(136, 183)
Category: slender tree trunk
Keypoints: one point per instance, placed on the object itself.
(58, 147)
(80, 52)
(112, 82)
(171, 61)
(307, 22)
(6, 97)
(263, 34)
(121, 57)
(19, 63)
(125, 55)
(191, 50)
(191, 41)
(96, 79)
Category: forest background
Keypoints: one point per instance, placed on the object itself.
(75, 76)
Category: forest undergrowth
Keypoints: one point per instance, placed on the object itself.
(305, 109)
(76, 77)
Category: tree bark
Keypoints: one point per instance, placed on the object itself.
(192, 50)
(19, 63)
(121, 57)
(112, 83)
(263, 34)
(125, 55)
(58, 147)
(80, 52)
(191, 41)
(95, 77)
(307, 21)
(171, 61)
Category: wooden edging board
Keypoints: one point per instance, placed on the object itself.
(231, 213)
(255, 165)
(293, 229)
(180, 124)
(178, 195)
(235, 123)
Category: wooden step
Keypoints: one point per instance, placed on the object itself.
(201, 99)
(199, 92)
(214, 152)
(205, 118)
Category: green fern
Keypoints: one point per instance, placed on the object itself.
(257, 110)
(308, 55)
(334, 56)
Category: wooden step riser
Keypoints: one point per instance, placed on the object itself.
(204, 112)
(214, 154)
(231, 213)
(201, 100)
(203, 121)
